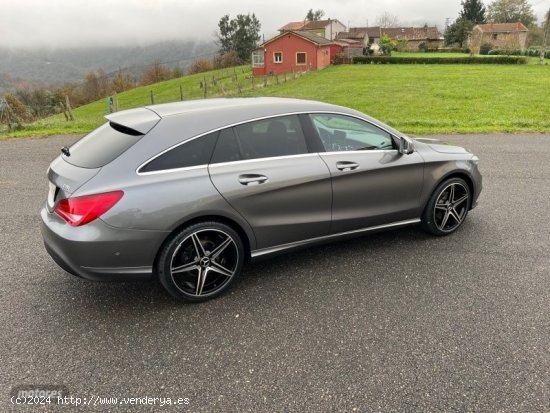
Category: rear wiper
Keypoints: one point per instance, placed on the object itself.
(65, 151)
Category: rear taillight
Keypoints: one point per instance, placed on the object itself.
(83, 209)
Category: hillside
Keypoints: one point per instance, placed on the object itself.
(56, 66)
(417, 99)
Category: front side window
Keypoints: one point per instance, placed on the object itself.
(346, 133)
(301, 58)
(258, 58)
(278, 57)
(281, 136)
(193, 153)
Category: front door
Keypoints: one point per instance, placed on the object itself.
(373, 184)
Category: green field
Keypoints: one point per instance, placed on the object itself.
(417, 99)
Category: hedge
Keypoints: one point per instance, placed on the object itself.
(497, 60)
(518, 52)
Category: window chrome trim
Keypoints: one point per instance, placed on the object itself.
(282, 247)
(166, 171)
(232, 125)
(361, 152)
(298, 155)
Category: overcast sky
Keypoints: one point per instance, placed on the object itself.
(58, 23)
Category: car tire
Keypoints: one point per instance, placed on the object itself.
(201, 261)
(447, 208)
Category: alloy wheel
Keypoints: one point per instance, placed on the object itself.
(451, 207)
(204, 262)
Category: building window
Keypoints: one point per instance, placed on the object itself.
(495, 36)
(278, 57)
(258, 58)
(301, 58)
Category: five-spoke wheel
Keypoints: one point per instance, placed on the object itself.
(447, 207)
(201, 261)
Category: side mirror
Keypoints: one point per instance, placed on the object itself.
(406, 146)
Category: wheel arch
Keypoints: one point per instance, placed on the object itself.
(462, 175)
(247, 242)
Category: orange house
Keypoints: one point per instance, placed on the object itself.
(293, 51)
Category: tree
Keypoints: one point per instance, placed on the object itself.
(240, 35)
(387, 45)
(95, 85)
(122, 81)
(511, 11)
(199, 66)
(386, 20)
(458, 32)
(473, 11)
(315, 15)
(157, 72)
(225, 60)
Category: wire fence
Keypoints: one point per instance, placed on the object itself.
(236, 82)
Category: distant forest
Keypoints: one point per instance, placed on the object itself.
(54, 67)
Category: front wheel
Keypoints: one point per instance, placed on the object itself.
(201, 261)
(447, 207)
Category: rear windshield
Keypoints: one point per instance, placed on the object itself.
(101, 146)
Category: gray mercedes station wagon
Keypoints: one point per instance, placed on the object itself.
(188, 192)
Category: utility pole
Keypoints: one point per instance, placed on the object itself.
(543, 48)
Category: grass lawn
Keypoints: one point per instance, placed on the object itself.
(417, 99)
(425, 99)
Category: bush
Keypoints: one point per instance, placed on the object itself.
(485, 48)
(229, 59)
(498, 60)
(422, 47)
(199, 66)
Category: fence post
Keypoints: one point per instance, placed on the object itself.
(181, 92)
(68, 106)
(205, 87)
(152, 98)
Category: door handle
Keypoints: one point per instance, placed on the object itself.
(346, 166)
(252, 179)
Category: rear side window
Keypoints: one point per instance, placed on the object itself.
(266, 138)
(193, 153)
(102, 146)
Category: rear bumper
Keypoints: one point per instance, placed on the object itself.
(97, 251)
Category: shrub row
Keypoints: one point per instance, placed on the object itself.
(447, 50)
(518, 52)
(498, 60)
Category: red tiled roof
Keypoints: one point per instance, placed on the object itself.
(293, 26)
(412, 33)
(311, 37)
(356, 36)
(316, 24)
(370, 31)
(502, 27)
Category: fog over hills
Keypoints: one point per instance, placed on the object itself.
(46, 66)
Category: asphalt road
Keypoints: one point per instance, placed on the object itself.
(398, 321)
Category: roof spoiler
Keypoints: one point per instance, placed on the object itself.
(133, 121)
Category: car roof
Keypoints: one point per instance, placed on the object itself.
(255, 106)
(204, 115)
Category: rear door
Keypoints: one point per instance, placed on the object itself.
(265, 171)
(373, 184)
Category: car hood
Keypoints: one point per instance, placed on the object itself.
(441, 147)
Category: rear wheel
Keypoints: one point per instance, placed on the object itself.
(201, 261)
(447, 208)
